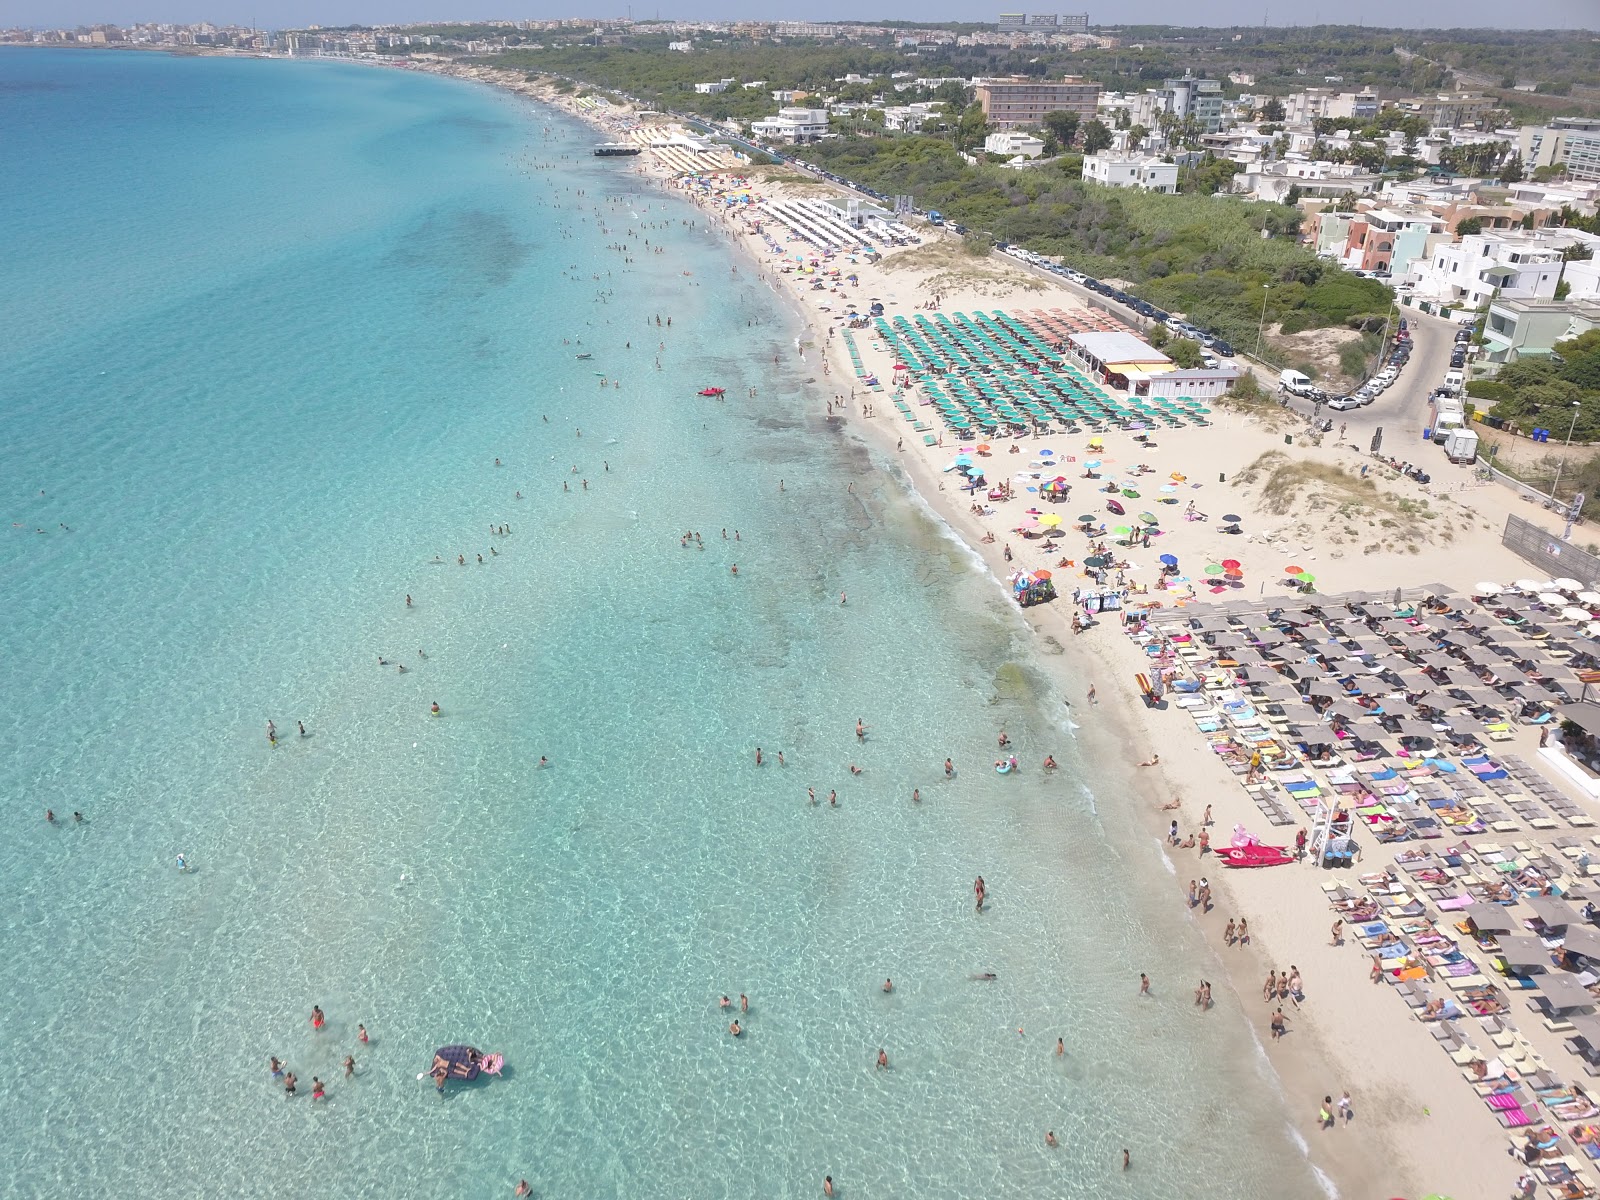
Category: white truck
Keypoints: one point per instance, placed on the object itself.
(1294, 382)
(1461, 446)
(1448, 414)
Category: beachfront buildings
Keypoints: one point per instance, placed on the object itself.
(792, 125)
(1508, 264)
(1386, 240)
(1147, 173)
(1013, 143)
(1018, 101)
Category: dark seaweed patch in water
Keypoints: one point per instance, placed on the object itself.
(470, 250)
(477, 125)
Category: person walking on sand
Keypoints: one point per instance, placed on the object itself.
(1092, 700)
(1270, 988)
(1345, 1111)
(1279, 1023)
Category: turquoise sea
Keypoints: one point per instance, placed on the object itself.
(266, 328)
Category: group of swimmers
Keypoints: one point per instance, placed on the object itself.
(319, 1090)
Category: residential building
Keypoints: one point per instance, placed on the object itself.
(1518, 328)
(1009, 103)
(1197, 98)
(1012, 142)
(680, 47)
(1382, 239)
(1302, 108)
(1271, 182)
(1574, 141)
(911, 117)
(713, 89)
(1450, 110)
(1042, 22)
(1502, 264)
(1131, 171)
(793, 125)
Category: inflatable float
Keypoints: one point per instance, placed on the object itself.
(1006, 765)
(462, 1063)
(713, 391)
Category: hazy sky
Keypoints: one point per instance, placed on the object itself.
(1525, 14)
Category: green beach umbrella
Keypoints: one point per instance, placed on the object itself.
(1213, 568)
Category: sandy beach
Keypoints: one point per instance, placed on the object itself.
(1315, 502)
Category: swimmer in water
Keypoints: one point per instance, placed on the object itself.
(349, 1065)
(888, 985)
(736, 1029)
(183, 863)
(916, 795)
(1049, 762)
(543, 761)
(317, 1018)
(275, 1067)
(435, 708)
(984, 977)
(361, 1034)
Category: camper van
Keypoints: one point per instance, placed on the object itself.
(1453, 381)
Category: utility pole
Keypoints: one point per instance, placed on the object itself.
(1261, 324)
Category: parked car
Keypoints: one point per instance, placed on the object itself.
(1222, 349)
(1344, 403)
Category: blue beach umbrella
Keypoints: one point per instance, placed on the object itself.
(1170, 560)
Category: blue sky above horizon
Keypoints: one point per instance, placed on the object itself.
(1492, 14)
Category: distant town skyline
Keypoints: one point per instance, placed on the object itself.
(284, 14)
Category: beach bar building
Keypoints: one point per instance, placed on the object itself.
(1121, 359)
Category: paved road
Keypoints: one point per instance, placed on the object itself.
(1402, 411)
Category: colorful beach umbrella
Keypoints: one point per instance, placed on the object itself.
(1293, 570)
(1170, 560)
(1092, 464)
(1213, 568)
(1149, 518)
(1230, 564)
(1088, 518)
(1231, 518)
(1050, 519)
(1306, 577)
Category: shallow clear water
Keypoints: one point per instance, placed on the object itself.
(268, 327)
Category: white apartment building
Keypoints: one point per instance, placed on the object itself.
(793, 125)
(1134, 171)
(713, 89)
(680, 47)
(1013, 143)
(1513, 264)
(911, 117)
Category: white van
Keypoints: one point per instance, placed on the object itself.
(1294, 381)
(1453, 382)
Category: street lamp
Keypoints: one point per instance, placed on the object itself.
(1575, 406)
(1261, 324)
